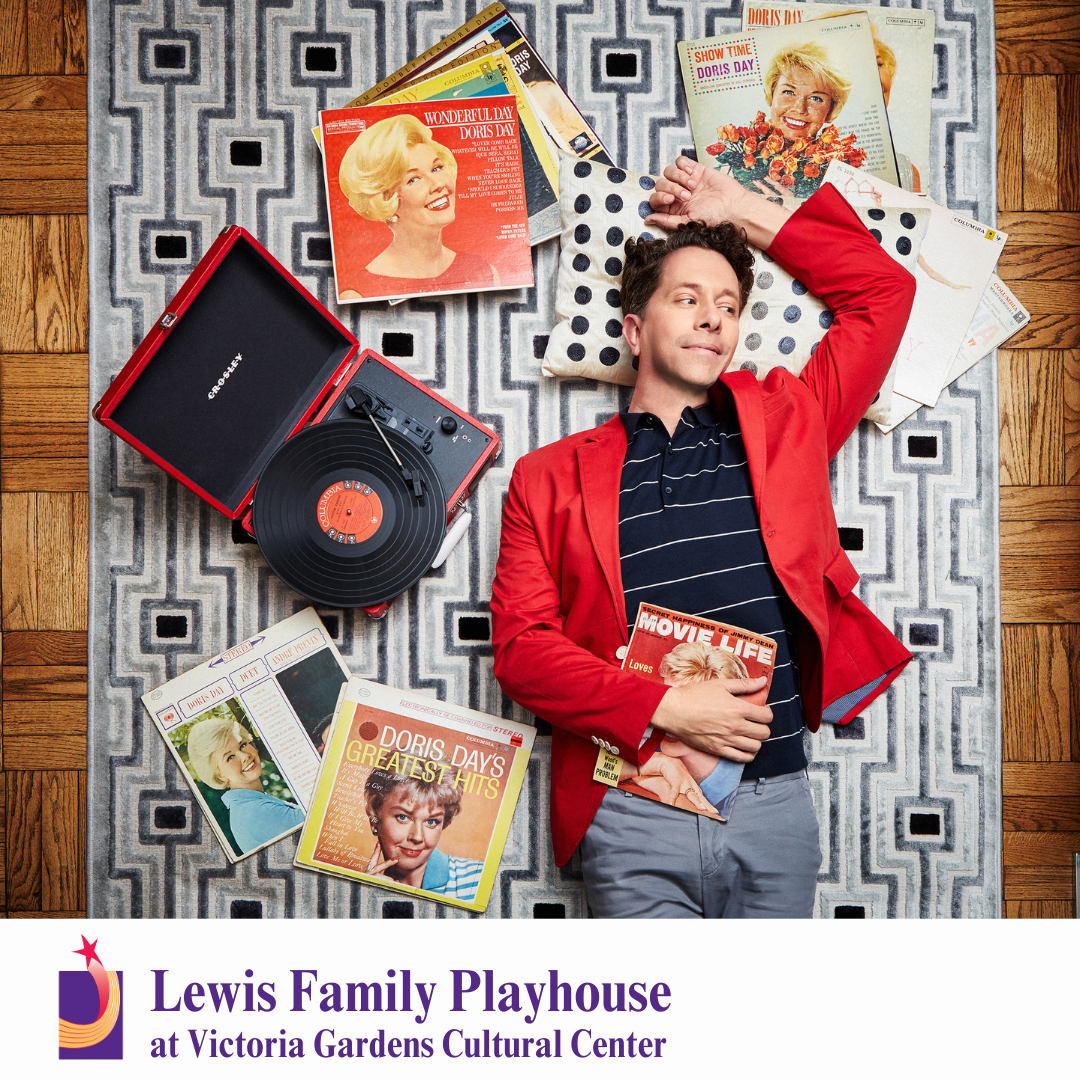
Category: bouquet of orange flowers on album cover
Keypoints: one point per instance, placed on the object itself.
(761, 153)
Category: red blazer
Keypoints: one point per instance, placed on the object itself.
(558, 612)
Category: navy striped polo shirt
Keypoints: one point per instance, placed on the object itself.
(690, 540)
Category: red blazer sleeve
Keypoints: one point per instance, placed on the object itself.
(562, 674)
(827, 247)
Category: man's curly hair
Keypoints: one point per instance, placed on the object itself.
(645, 259)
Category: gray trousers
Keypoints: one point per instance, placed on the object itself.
(642, 859)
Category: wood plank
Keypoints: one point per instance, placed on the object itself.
(1041, 229)
(80, 567)
(1032, 262)
(1010, 143)
(31, 371)
(79, 282)
(18, 560)
(13, 54)
(1042, 883)
(1046, 375)
(43, 92)
(1041, 779)
(45, 36)
(69, 474)
(1023, 19)
(49, 734)
(1037, 56)
(1039, 572)
(3, 842)
(23, 127)
(1068, 105)
(81, 914)
(42, 162)
(23, 854)
(1048, 332)
(1040, 909)
(52, 291)
(1040, 848)
(1052, 720)
(38, 682)
(1048, 297)
(32, 440)
(43, 196)
(44, 404)
(1040, 606)
(1049, 814)
(1039, 96)
(1071, 417)
(62, 842)
(1017, 693)
(1015, 412)
(1040, 538)
(16, 285)
(75, 37)
(55, 562)
(1074, 694)
(1040, 503)
(44, 647)
(27, 752)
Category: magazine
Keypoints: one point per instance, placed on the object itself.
(248, 727)
(956, 259)
(563, 121)
(462, 194)
(904, 44)
(673, 648)
(998, 316)
(415, 794)
(775, 106)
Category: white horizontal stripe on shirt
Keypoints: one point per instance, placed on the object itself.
(694, 577)
(687, 540)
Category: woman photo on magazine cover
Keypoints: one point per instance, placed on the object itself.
(397, 174)
(223, 755)
(678, 774)
(407, 817)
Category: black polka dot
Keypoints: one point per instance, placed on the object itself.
(907, 220)
(876, 215)
(583, 294)
(613, 298)
(903, 245)
(876, 234)
(753, 341)
(582, 234)
(877, 396)
(613, 328)
(646, 236)
(613, 266)
(766, 257)
(759, 310)
(616, 176)
(644, 210)
(749, 365)
(581, 262)
(613, 204)
(576, 351)
(646, 183)
(813, 348)
(798, 288)
(786, 345)
(764, 280)
(614, 236)
(582, 203)
(609, 356)
(792, 313)
(582, 169)
(825, 319)
(579, 324)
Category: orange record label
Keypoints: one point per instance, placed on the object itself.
(349, 512)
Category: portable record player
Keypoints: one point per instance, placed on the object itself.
(227, 390)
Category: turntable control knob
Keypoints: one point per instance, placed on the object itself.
(448, 425)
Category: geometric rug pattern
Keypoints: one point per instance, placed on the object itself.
(199, 116)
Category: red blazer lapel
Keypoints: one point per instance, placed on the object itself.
(600, 461)
(744, 388)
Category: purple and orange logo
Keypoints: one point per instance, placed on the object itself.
(91, 1012)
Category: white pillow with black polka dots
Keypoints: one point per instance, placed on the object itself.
(782, 322)
(601, 208)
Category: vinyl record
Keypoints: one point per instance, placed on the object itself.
(338, 523)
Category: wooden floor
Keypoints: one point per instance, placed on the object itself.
(43, 464)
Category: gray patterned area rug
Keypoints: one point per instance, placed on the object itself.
(908, 794)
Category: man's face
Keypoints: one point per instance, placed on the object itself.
(688, 332)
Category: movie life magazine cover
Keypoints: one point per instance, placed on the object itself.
(672, 648)
(248, 727)
(774, 106)
(415, 794)
(425, 198)
(904, 46)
